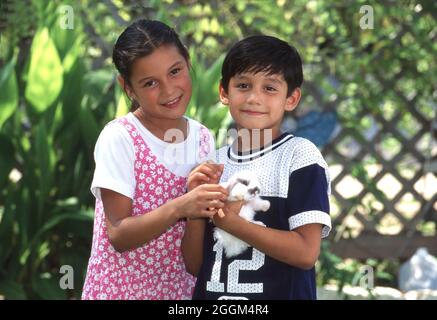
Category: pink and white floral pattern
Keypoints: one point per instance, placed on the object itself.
(204, 143)
(155, 270)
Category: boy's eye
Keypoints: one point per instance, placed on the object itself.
(269, 88)
(243, 85)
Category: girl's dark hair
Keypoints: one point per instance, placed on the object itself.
(140, 39)
(263, 54)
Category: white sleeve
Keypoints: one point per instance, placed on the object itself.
(114, 155)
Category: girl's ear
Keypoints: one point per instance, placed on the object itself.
(223, 95)
(293, 100)
(125, 86)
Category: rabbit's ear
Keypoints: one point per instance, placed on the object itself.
(231, 182)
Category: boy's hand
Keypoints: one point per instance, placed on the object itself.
(207, 172)
(229, 211)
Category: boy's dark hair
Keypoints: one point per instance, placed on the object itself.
(140, 39)
(263, 54)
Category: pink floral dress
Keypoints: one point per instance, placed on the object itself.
(155, 270)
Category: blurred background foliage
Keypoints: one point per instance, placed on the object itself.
(58, 89)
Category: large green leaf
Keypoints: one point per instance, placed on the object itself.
(210, 84)
(9, 92)
(45, 77)
(47, 287)
(206, 87)
(49, 225)
(46, 159)
(7, 232)
(74, 71)
(11, 290)
(63, 37)
(123, 104)
(6, 157)
(89, 127)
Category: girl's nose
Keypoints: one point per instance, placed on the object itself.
(166, 89)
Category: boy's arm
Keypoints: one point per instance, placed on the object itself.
(192, 242)
(192, 245)
(299, 247)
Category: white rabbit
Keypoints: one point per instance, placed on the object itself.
(243, 185)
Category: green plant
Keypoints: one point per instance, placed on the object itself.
(204, 105)
(50, 115)
(331, 269)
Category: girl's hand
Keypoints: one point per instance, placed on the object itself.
(197, 202)
(227, 213)
(207, 172)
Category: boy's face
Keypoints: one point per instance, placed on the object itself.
(259, 100)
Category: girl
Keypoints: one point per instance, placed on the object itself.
(142, 161)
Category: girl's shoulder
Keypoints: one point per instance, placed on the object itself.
(121, 126)
(201, 130)
(114, 133)
(195, 124)
(115, 127)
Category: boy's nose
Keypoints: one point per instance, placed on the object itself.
(253, 98)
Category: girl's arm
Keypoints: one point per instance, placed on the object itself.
(299, 247)
(126, 232)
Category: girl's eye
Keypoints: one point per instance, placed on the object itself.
(150, 83)
(175, 71)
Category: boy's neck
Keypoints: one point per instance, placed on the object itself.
(255, 139)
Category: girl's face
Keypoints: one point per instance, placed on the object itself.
(161, 83)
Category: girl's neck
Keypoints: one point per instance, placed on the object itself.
(160, 127)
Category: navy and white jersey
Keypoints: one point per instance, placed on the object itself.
(294, 178)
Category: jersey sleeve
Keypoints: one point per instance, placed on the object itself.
(114, 155)
(308, 190)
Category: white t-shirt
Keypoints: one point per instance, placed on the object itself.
(114, 155)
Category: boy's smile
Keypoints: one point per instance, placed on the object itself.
(259, 101)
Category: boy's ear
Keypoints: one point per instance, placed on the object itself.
(223, 95)
(293, 100)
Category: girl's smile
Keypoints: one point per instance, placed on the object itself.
(161, 85)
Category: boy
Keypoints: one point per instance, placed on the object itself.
(261, 79)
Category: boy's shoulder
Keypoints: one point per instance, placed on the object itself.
(305, 152)
(222, 153)
(297, 151)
